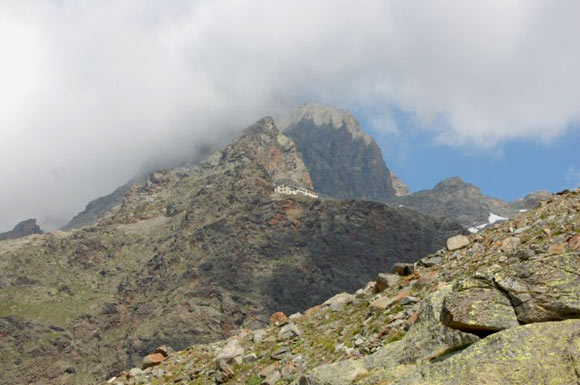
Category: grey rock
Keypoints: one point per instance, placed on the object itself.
(431, 261)
(457, 242)
(289, 331)
(272, 379)
(231, 352)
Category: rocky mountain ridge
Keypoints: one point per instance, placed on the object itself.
(188, 256)
(497, 307)
(464, 202)
(344, 162)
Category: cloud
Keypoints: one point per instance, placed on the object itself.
(572, 176)
(93, 90)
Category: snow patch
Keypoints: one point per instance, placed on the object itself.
(490, 220)
(494, 218)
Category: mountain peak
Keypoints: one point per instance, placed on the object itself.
(344, 162)
(452, 182)
(264, 125)
(323, 114)
(22, 229)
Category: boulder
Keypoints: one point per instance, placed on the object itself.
(431, 261)
(278, 318)
(386, 280)
(544, 289)
(574, 242)
(510, 245)
(403, 268)
(339, 301)
(542, 353)
(557, 248)
(231, 352)
(258, 335)
(152, 360)
(135, 372)
(475, 305)
(288, 331)
(271, 379)
(457, 242)
(385, 302)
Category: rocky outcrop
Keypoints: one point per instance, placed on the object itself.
(344, 162)
(399, 186)
(22, 229)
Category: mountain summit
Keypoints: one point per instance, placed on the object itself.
(344, 162)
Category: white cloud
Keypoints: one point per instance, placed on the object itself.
(572, 176)
(91, 90)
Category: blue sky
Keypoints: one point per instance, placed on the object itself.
(508, 171)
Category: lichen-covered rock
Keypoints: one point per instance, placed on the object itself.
(543, 289)
(541, 353)
(475, 305)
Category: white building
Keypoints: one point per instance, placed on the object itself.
(289, 190)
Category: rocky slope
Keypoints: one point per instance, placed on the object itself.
(498, 307)
(344, 162)
(22, 229)
(190, 255)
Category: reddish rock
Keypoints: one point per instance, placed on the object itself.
(278, 318)
(152, 360)
(165, 350)
(428, 278)
(557, 248)
(413, 318)
(386, 280)
(574, 242)
(313, 310)
(385, 302)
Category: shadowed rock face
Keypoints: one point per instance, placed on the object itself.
(22, 229)
(189, 255)
(344, 162)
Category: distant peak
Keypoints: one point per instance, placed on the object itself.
(453, 182)
(323, 114)
(22, 229)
